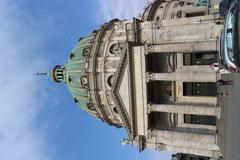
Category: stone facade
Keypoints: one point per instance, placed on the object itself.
(153, 76)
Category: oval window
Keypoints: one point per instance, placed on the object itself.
(84, 80)
(114, 49)
(90, 106)
(86, 52)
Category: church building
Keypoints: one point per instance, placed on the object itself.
(152, 76)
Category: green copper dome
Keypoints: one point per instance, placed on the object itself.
(75, 73)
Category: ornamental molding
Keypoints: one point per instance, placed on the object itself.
(150, 76)
(148, 49)
(116, 96)
(92, 79)
(151, 108)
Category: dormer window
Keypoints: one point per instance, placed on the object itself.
(75, 100)
(71, 56)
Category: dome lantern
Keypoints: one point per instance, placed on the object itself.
(57, 74)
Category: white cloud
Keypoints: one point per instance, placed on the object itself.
(20, 43)
(122, 9)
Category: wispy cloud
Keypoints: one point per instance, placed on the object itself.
(20, 43)
(122, 9)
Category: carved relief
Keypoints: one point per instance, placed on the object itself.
(150, 76)
(148, 49)
(151, 108)
(161, 147)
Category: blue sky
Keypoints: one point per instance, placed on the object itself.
(38, 119)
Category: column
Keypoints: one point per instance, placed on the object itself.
(194, 99)
(185, 76)
(187, 140)
(185, 47)
(184, 109)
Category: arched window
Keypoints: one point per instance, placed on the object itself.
(115, 110)
(110, 80)
(114, 49)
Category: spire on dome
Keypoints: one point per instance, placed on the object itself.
(41, 74)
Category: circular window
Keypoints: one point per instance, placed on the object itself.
(84, 80)
(86, 52)
(90, 106)
(110, 81)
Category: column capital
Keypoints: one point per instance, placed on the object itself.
(148, 49)
(151, 108)
(152, 133)
(150, 76)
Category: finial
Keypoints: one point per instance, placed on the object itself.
(41, 74)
